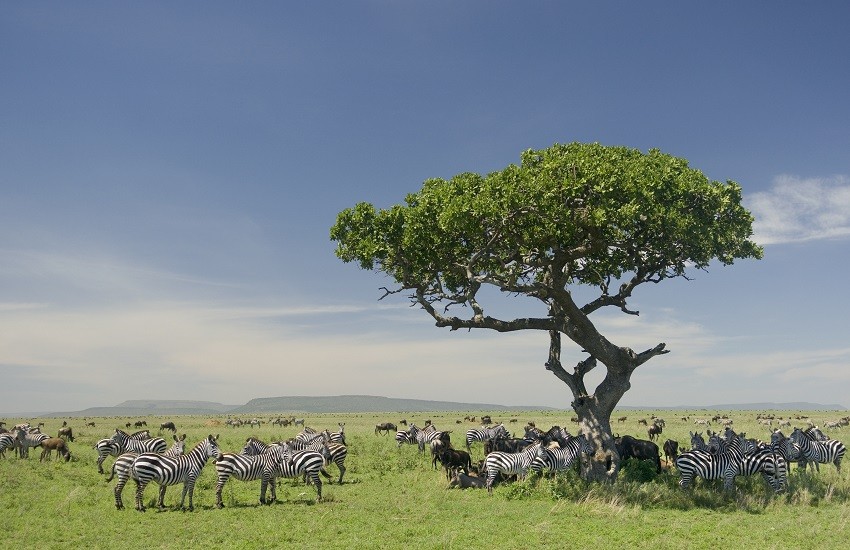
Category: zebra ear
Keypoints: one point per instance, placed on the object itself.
(183, 437)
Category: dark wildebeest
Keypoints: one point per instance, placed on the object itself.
(66, 431)
(385, 427)
(140, 423)
(629, 447)
(453, 460)
(654, 431)
(168, 426)
(671, 450)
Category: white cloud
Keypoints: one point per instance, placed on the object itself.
(801, 209)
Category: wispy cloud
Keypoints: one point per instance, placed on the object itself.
(802, 209)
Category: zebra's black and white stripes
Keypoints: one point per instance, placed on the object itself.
(816, 451)
(169, 471)
(129, 444)
(123, 466)
(484, 433)
(561, 458)
(723, 464)
(499, 462)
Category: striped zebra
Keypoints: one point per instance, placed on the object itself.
(483, 433)
(130, 445)
(336, 453)
(273, 462)
(402, 437)
(499, 462)
(560, 458)
(123, 465)
(170, 471)
(10, 440)
(771, 465)
(426, 435)
(29, 440)
(336, 437)
(308, 435)
(721, 464)
(818, 452)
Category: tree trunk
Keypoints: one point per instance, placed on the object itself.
(595, 423)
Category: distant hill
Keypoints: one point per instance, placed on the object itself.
(360, 404)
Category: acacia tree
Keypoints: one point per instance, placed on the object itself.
(609, 218)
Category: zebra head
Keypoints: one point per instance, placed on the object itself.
(178, 447)
(211, 447)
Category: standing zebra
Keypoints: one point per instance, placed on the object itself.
(426, 435)
(273, 462)
(402, 437)
(561, 458)
(818, 452)
(336, 437)
(499, 462)
(10, 440)
(132, 445)
(336, 453)
(484, 433)
(30, 439)
(170, 471)
(723, 464)
(123, 465)
(771, 465)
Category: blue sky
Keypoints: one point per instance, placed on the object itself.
(169, 173)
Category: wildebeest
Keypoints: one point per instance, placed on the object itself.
(629, 447)
(168, 426)
(66, 432)
(453, 460)
(671, 450)
(464, 481)
(654, 431)
(385, 427)
(55, 443)
(140, 423)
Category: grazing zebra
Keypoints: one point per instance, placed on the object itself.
(818, 452)
(561, 458)
(273, 462)
(169, 471)
(123, 465)
(130, 445)
(499, 462)
(404, 436)
(725, 463)
(105, 448)
(483, 434)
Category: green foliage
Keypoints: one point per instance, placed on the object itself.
(638, 470)
(593, 211)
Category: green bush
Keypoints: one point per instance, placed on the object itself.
(641, 471)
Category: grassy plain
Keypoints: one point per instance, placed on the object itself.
(392, 498)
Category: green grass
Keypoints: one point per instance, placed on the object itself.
(392, 498)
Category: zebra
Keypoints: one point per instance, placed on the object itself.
(336, 453)
(273, 462)
(122, 468)
(509, 463)
(108, 446)
(770, 464)
(818, 452)
(724, 463)
(336, 437)
(561, 458)
(9, 440)
(402, 437)
(308, 435)
(169, 471)
(30, 439)
(426, 435)
(484, 433)
(128, 444)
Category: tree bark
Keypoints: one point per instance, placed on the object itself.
(595, 424)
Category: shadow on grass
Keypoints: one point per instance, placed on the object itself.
(751, 494)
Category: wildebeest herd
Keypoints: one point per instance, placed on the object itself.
(717, 455)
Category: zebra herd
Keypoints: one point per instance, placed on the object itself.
(145, 459)
(21, 438)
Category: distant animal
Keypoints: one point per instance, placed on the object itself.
(654, 431)
(67, 433)
(385, 427)
(642, 421)
(90, 424)
(299, 422)
(168, 426)
(622, 419)
(671, 450)
(140, 423)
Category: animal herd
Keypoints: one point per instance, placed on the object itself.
(147, 459)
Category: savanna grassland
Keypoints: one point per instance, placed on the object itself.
(393, 498)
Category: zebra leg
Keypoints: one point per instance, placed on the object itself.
(119, 488)
(342, 472)
(140, 493)
(161, 503)
(218, 487)
(188, 488)
(318, 483)
(263, 484)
